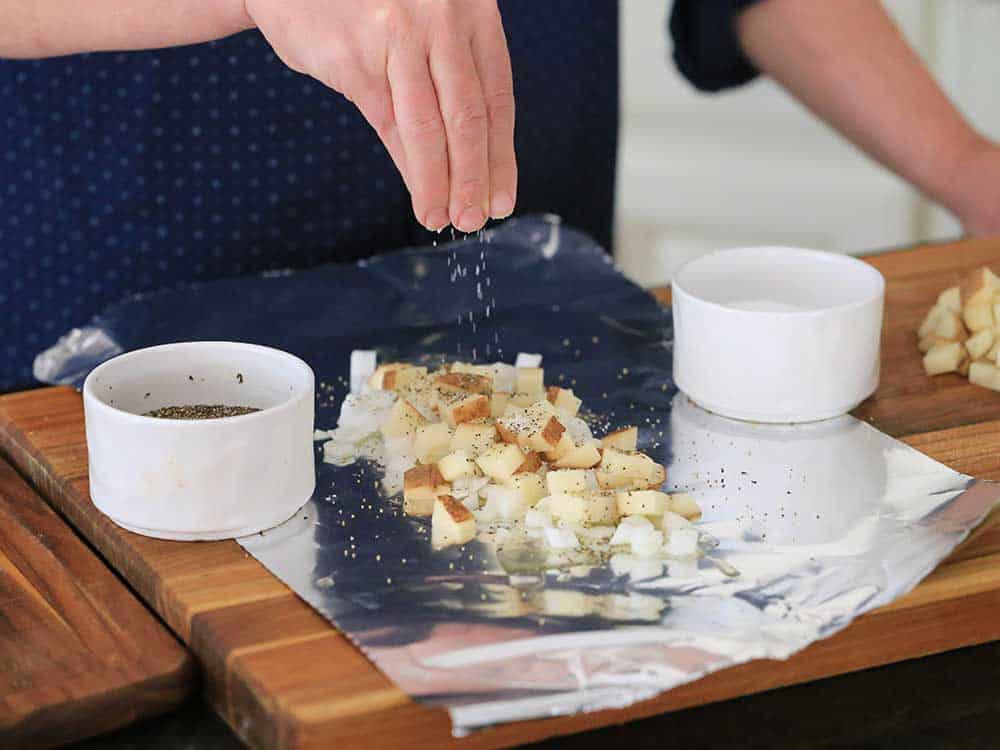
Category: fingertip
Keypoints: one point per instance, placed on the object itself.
(472, 219)
(501, 205)
(436, 219)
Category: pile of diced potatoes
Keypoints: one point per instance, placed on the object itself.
(961, 332)
(488, 454)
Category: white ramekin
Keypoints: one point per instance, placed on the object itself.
(200, 479)
(809, 352)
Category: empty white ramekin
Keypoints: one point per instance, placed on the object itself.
(200, 479)
(777, 334)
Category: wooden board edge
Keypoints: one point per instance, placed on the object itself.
(50, 727)
(424, 727)
(14, 446)
(169, 673)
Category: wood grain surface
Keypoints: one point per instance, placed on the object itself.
(282, 677)
(79, 654)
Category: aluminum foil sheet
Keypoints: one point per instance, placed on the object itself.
(805, 527)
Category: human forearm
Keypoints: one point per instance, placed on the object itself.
(46, 28)
(850, 65)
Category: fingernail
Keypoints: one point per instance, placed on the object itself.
(502, 205)
(471, 219)
(437, 219)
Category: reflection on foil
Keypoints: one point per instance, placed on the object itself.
(805, 527)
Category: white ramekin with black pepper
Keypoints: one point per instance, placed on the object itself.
(215, 478)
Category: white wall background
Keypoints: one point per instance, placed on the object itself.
(701, 172)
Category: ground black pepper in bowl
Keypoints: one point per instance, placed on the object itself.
(200, 411)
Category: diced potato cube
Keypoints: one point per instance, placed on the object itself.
(396, 380)
(625, 439)
(949, 326)
(523, 399)
(532, 463)
(498, 403)
(580, 457)
(566, 481)
(530, 380)
(403, 420)
(421, 486)
(963, 366)
(564, 446)
(684, 505)
(474, 437)
(472, 407)
(926, 344)
(451, 523)
(432, 442)
(456, 465)
(393, 376)
(539, 409)
(421, 506)
(378, 377)
(511, 427)
(500, 461)
(642, 502)
(443, 396)
(468, 382)
(530, 486)
(978, 344)
(944, 358)
(600, 509)
(978, 316)
(984, 374)
(930, 321)
(583, 510)
(950, 299)
(420, 394)
(978, 285)
(547, 436)
(564, 399)
(469, 369)
(637, 471)
(507, 433)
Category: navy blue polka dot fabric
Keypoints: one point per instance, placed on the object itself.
(133, 171)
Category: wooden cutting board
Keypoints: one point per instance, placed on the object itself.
(283, 677)
(79, 654)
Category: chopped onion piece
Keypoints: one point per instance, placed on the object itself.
(363, 363)
(534, 518)
(683, 542)
(557, 538)
(646, 542)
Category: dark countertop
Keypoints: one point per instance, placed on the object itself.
(944, 701)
